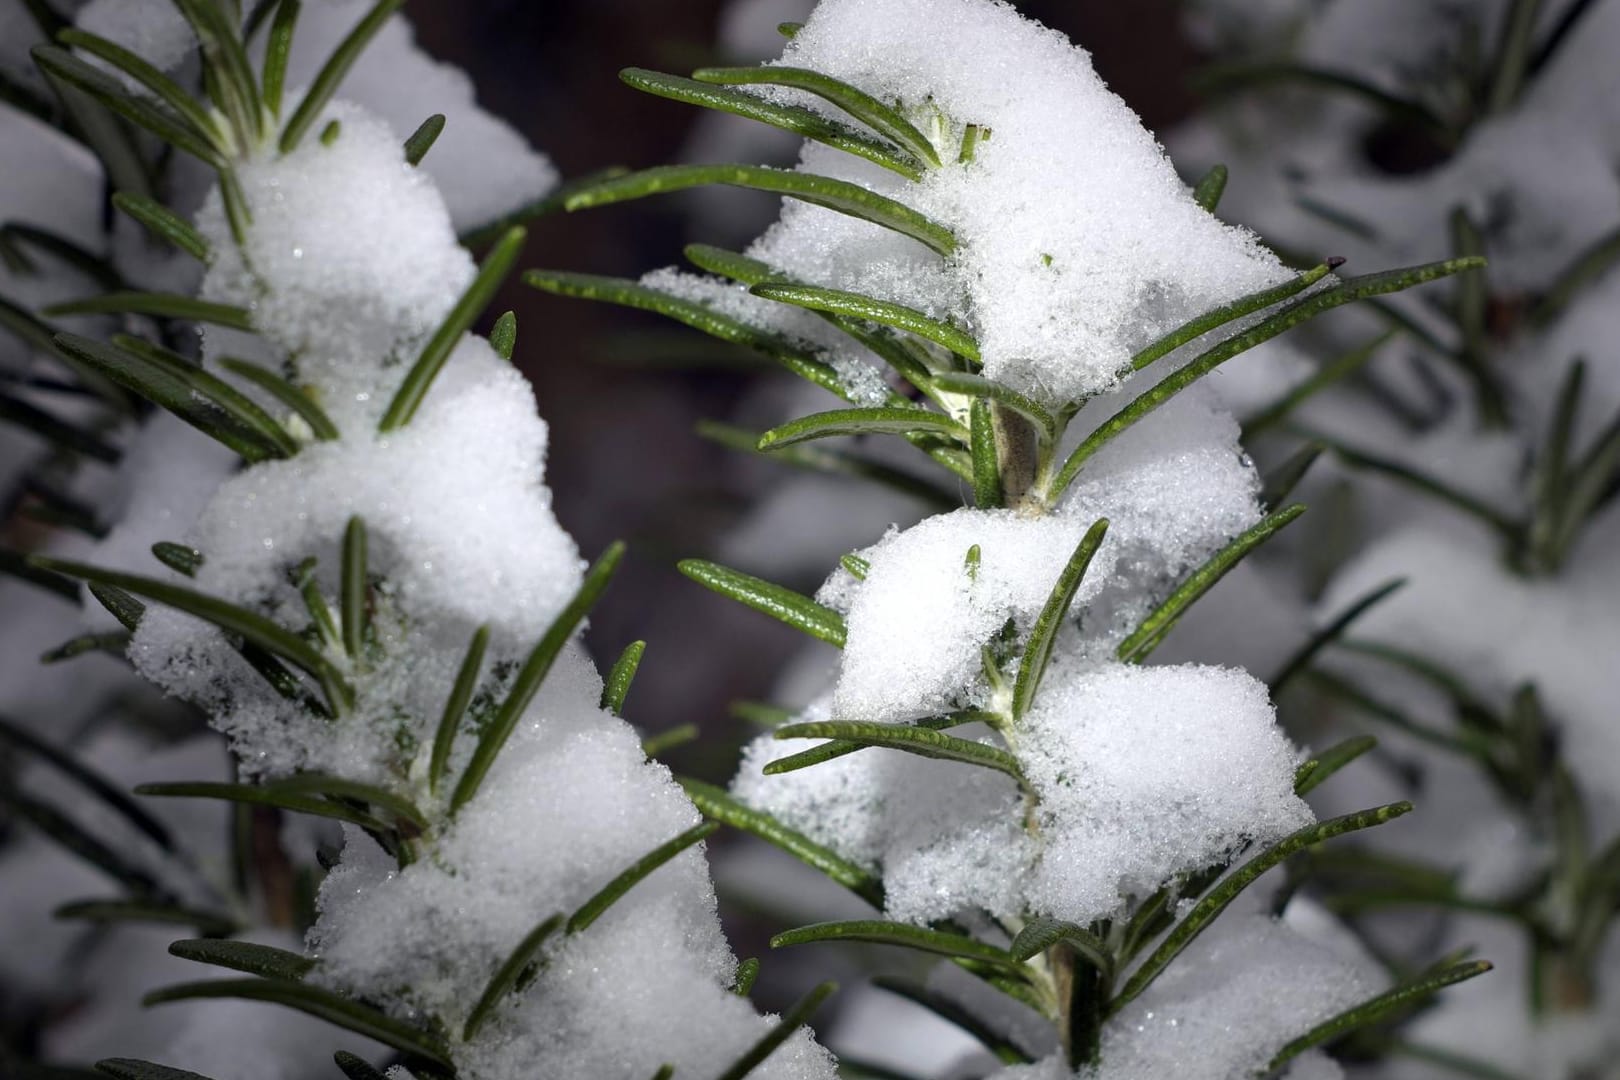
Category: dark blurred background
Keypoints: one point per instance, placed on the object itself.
(624, 461)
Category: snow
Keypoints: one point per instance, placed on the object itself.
(1077, 242)
(350, 261)
(154, 30)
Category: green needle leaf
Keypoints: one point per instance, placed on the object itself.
(163, 223)
(1225, 79)
(1038, 650)
(73, 838)
(1333, 371)
(792, 1020)
(278, 47)
(792, 118)
(1345, 292)
(1375, 1010)
(1206, 910)
(286, 393)
(913, 739)
(354, 588)
(122, 911)
(332, 73)
(506, 977)
(318, 1002)
(423, 138)
(696, 315)
(477, 297)
(858, 306)
(962, 382)
(72, 72)
(857, 103)
(356, 1068)
(884, 420)
(1280, 482)
(166, 89)
(134, 1069)
(717, 805)
(822, 459)
(747, 972)
(1145, 638)
(1315, 772)
(824, 191)
(264, 795)
(178, 557)
(1043, 932)
(455, 707)
(987, 490)
(251, 626)
(633, 875)
(839, 747)
(503, 336)
(245, 956)
(779, 602)
(951, 1012)
(1421, 481)
(617, 684)
(1330, 633)
(158, 306)
(1207, 193)
(921, 938)
(533, 673)
(1200, 325)
(54, 430)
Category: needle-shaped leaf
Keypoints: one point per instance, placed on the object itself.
(357, 1068)
(147, 911)
(881, 420)
(503, 335)
(717, 805)
(507, 975)
(264, 795)
(285, 392)
(41, 337)
(921, 938)
(277, 50)
(533, 673)
(1422, 481)
(1042, 638)
(824, 191)
(697, 315)
(664, 741)
(987, 491)
(883, 119)
(1043, 932)
(164, 88)
(249, 625)
(634, 874)
(355, 588)
(617, 685)
(1513, 52)
(69, 70)
(318, 1002)
(1200, 325)
(423, 138)
(340, 788)
(747, 972)
(1327, 635)
(778, 601)
(1228, 78)
(57, 431)
(419, 380)
(792, 118)
(1196, 921)
(1279, 482)
(1375, 1010)
(1207, 192)
(227, 72)
(245, 956)
(455, 706)
(1344, 292)
(87, 778)
(75, 839)
(1141, 642)
(962, 382)
(135, 1069)
(1320, 767)
(859, 306)
(113, 643)
(333, 71)
(1587, 267)
(912, 738)
(823, 459)
(163, 223)
(178, 557)
(791, 1021)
